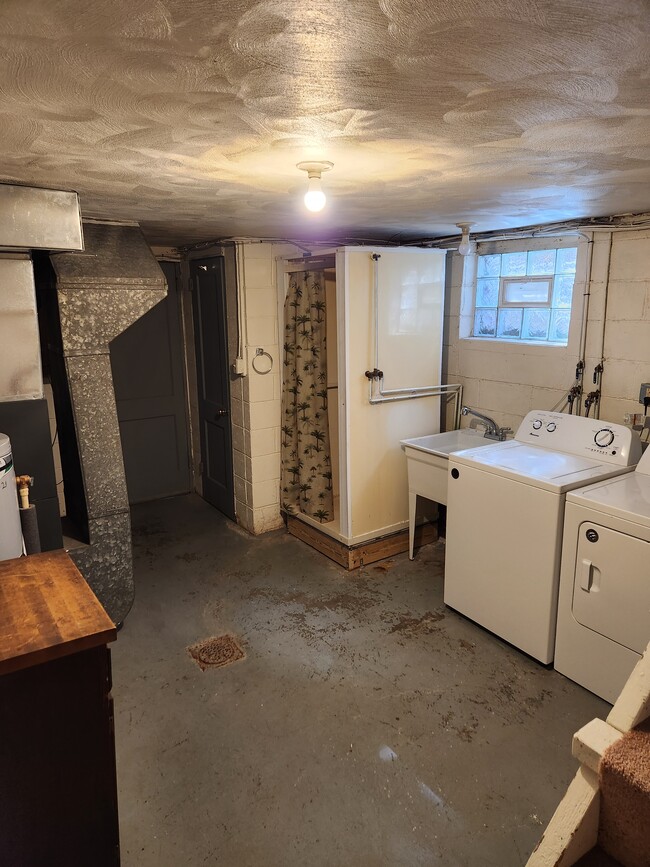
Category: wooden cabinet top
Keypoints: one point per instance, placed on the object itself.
(47, 611)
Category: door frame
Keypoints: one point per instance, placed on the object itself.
(194, 263)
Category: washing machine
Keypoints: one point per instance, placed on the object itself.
(603, 621)
(505, 514)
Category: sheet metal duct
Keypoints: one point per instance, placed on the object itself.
(37, 219)
(100, 293)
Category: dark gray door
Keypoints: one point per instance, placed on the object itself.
(211, 342)
(147, 362)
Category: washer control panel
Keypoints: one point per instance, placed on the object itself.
(604, 437)
(577, 435)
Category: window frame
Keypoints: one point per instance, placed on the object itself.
(516, 245)
(503, 281)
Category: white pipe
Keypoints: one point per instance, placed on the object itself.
(375, 269)
(586, 295)
(604, 326)
(241, 367)
(411, 394)
(418, 390)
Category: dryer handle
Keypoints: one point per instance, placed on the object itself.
(587, 575)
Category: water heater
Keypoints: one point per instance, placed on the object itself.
(11, 539)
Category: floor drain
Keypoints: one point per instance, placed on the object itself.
(215, 652)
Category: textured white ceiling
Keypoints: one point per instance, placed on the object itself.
(190, 115)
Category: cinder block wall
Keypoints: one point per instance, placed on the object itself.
(256, 409)
(507, 380)
(627, 328)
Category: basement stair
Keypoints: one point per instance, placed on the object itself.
(604, 818)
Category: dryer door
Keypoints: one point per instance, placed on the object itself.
(611, 593)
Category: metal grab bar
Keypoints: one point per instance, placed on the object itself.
(455, 390)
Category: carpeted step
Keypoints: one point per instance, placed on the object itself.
(597, 858)
(624, 831)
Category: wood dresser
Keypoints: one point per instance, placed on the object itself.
(58, 788)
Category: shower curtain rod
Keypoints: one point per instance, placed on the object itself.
(308, 263)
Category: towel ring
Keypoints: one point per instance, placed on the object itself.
(258, 354)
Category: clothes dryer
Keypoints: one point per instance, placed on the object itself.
(603, 623)
(505, 515)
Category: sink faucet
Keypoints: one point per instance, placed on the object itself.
(492, 429)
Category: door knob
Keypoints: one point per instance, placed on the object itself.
(220, 412)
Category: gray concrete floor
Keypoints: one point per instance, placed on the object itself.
(368, 724)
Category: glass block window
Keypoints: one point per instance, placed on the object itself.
(510, 322)
(525, 295)
(527, 291)
(485, 323)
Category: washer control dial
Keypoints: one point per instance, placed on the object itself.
(604, 437)
(551, 426)
(537, 424)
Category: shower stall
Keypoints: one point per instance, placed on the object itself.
(361, 371)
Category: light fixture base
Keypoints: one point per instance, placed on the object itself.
(315, 168)
(466, 246)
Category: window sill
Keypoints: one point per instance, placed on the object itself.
(500, 342)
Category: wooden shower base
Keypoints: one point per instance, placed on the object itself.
(367, 552)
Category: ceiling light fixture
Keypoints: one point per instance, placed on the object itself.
(315, 197)
(466, 246)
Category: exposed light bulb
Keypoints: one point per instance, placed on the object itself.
(315, 197)
(466, 246)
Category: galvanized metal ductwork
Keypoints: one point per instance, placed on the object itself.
(100, 293)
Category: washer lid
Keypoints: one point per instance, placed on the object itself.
(627, 498)
(543, 468)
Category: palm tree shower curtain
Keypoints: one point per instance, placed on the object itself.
(306, 478)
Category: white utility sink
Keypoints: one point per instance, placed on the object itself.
(427, 459)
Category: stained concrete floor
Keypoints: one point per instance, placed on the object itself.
(368, 725)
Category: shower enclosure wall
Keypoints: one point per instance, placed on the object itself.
(384, 318)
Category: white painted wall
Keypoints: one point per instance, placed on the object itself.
(256, 398)
(20, 352)
(377, 476)
(507, 380)
(627, 328)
